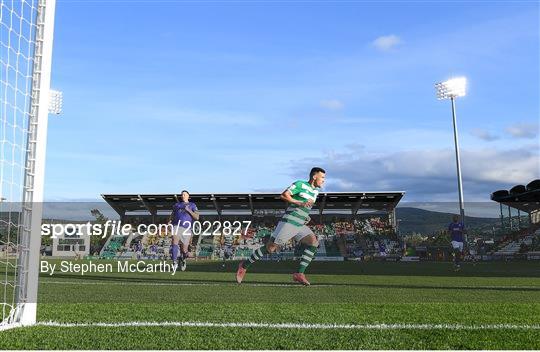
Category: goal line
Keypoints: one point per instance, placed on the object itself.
(306, 326)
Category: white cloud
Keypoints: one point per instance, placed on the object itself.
(523, 130)
(332, 104)
(386, 42)
(427, 174)
(484, 135)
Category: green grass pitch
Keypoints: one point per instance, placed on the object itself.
(350, 305)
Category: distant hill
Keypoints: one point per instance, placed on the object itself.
(428, 222)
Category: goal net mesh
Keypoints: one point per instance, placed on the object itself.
(19, 26)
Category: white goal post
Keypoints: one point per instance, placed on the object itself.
(26, 38)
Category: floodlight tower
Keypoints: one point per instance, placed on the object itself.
(452, 89)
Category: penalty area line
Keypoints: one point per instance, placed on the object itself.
(397, 326)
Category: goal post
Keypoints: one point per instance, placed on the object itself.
(27, 28)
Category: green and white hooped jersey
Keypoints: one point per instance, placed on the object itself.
(301, 191)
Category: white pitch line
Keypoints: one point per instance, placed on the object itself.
(4, 327)
(397, 326)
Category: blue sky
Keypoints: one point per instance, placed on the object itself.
(239, 97)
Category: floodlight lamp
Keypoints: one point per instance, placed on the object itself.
(452, 88)
(56, 101)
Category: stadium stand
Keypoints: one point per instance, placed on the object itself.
(515, 247)
(339, 218)
(357, 225)
(113, 247)
(518, 241)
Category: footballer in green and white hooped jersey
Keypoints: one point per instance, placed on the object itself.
(300, 196)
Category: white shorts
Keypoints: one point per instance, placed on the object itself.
(184, 234)
(457, 245)
(284, 232)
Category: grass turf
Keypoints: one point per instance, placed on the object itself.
(360, 293)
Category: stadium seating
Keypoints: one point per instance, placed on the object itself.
(243, 252)
(340, 238)
(513, 247)
(332, 249)
(112, 247)
(205, 251)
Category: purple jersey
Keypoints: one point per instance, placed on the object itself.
(180, 216)
(456, 231)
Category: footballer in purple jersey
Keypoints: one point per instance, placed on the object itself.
(182, 216)
(456, 230)
(139, 250)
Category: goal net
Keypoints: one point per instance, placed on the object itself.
(26, 29)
